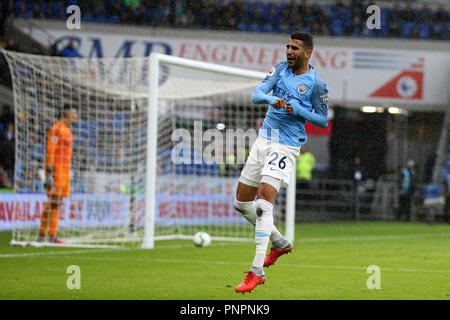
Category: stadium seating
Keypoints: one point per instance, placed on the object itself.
(340, 17)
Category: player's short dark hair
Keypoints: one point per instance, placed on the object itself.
(305, 37)
(66, 108)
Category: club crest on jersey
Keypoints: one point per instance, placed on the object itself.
(55, 140)
(271, 72)
(302, 89)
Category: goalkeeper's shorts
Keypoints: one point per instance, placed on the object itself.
(61, 185)
(269, 158)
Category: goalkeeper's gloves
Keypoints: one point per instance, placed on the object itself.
(48, 184)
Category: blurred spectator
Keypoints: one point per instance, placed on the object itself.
(54, 51)
(7, 10)
(87, 6)
(256, 16)
(78, 184)
(273, 18)
(429, 166)
(325, 30)
(48, 14)
(316, 11)
(126, 17)
(6, 116)
(394, 30)
(355, 12)
(408, 15)
(414, 34)
(162, 13)
(199, 9)
(436, 34)
(307, 17)
(132, 4)
(325, 22)
(425, 15)
(70, 51)
(182, 14)
(395, 14)
(237, 10)
(11, 45)
(32, 182)
(114, 9)
(357, 172)
(36, 12)
(304, 168)
(301, 8)
(339, 10)
(356, 28)
(143, 17)
(35, 49)
(23, 11)
(316, 29)
(287, 18)
(5, 76)
(98, 7)
(407, 188)
(221, 14)
(357, 4)
(4, 179)
(441, 15)
(7, 147)
(60, 13)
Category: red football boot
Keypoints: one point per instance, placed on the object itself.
(273, 256)
(249, 283)
(56, 240)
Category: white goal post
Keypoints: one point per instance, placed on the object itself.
(130, 113)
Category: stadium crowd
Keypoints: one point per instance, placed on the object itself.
(339, 18)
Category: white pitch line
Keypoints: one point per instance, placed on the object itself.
(35, 254)
(305, 266)
(301, 266)
(301, 240)
(373, 238)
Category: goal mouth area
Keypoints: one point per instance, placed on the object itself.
(107, 242)
(128, 188)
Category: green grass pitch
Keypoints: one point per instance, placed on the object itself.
(329, 261)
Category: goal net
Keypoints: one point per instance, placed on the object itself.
(158, 148)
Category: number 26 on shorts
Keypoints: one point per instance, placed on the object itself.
(281, 162)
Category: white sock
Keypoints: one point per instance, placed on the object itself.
(248, 211)
(263, 229)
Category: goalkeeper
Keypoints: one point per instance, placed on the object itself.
(298, 95)
(58, 161)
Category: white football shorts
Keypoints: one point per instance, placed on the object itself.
(269, 158)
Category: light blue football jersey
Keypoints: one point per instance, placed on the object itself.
(308, 95)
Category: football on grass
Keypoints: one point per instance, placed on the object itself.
(202, 239)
